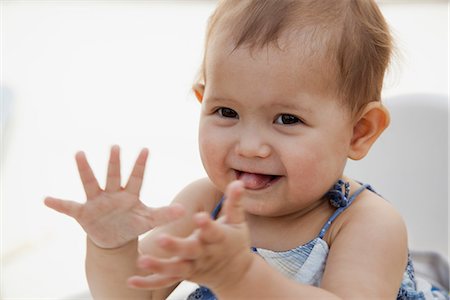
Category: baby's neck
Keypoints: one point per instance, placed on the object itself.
(289, 231)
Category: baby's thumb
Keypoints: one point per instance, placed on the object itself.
(234, 212)
(70, 208)
(166, 214)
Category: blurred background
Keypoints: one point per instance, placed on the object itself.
(84, 75)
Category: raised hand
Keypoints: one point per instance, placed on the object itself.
(114, 216)
(215, 255)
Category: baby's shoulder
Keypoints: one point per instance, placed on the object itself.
(370, 214)
(199, 195)
(373, 206)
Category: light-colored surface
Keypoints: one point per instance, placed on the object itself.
(408, 166)
(182, 291)
(86, 75)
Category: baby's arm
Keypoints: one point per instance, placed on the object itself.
(369, 252)
(113, 219)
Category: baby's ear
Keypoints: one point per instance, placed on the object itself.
(198, 89)
(368, 127)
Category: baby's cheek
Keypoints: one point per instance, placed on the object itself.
(212, 157)
(207, 145)
(312, 174)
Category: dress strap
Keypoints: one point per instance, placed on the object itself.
(342, 208)
(217, 209)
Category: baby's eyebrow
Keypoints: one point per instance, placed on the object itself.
(291, 106)
(214, 99)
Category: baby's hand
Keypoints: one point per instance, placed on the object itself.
(114, 216)
(216, 255)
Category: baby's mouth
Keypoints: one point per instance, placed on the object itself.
(256, 181)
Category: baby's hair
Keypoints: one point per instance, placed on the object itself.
(352, 35)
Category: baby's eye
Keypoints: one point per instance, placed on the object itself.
(226, 112)
(286, 119)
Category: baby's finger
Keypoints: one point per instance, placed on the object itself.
(153, 282)
(135, 181)
(113, 178)
(186, 248)
(88, 179)
(170, 267)
(234, 212)
(66, 207)
(166, 214)
(210, 231)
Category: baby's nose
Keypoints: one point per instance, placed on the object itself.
(252, 144)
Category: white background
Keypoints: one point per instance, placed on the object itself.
(83, 75)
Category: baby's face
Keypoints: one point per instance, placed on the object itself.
(269, 119)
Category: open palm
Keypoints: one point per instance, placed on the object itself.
(114, 216)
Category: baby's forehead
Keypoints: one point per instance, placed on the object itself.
(303, 49)
(281, 71)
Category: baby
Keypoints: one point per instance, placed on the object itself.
(289, 91)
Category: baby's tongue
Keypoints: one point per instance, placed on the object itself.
(254, 181)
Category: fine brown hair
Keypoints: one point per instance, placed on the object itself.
(351, 35)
